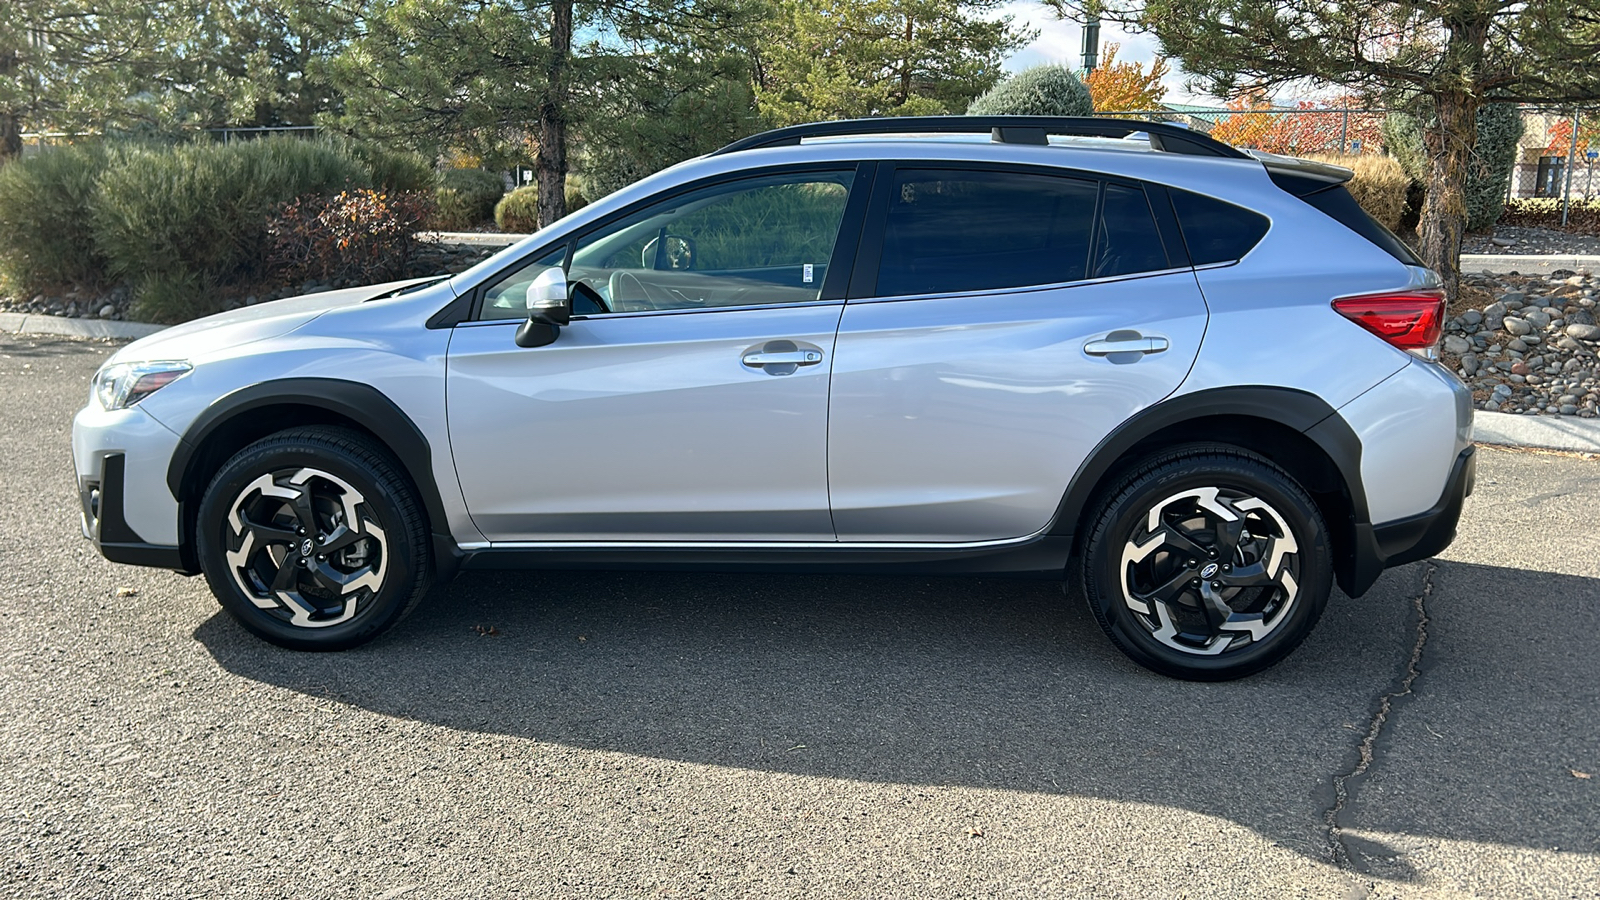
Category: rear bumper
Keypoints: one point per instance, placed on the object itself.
(1416, 537)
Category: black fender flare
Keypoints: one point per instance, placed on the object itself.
(1300, 411)
(361, 403)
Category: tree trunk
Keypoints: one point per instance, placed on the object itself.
(10, 136)
(10, 121)
(1444, 212)
(552, 162)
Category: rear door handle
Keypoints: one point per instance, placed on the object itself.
(1125, 342)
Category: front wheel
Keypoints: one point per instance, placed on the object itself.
(1207, 563)
(313, 540)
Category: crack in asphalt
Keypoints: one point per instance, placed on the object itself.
(1338, 849)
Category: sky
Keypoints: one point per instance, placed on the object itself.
(1061, 41)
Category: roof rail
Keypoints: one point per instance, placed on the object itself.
(1034, 130)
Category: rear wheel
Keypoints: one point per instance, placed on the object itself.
(1207, 563)
(313, 540)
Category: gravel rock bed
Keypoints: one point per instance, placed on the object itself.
(1532, 349)
(1522, 240)
(430, 259)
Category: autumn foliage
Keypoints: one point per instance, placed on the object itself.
(1306, 128)
(1561, 136)
(355, 237)
(1126, 86)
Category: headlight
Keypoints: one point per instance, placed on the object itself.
(125, 384)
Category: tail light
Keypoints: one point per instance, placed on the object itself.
(1412, 320)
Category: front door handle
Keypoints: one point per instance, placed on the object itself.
(1125, 342)
(781, 357)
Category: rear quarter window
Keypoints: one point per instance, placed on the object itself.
(1337, 203)
(1215, 231)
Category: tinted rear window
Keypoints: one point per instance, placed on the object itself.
(1129, 241)
(951, 231)
(1215, 231)
(1339, 205)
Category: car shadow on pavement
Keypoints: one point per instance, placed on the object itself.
(982, 683)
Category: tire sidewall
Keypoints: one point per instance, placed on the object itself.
(214, 534)
(1127, 512)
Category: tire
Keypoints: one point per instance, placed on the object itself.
(1232, 577)
(265, 511)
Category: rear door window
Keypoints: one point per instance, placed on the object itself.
(1129, 242)
(949, 231)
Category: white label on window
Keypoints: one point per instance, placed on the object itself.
(805, 273)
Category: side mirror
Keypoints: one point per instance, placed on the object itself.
(548, 309)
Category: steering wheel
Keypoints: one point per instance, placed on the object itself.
(587, 294)
(628, 293)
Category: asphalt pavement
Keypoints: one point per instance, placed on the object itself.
(646, 735)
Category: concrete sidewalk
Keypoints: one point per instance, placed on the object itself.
(1542, 432)
(1527, 265)
(31, 323)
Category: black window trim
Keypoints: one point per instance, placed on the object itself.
(464, 310)
(864, 277)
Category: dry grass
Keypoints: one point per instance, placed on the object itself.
(1379, 185)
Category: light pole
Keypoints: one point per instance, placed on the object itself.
(1091, 44)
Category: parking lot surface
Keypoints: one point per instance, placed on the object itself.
(632, 734)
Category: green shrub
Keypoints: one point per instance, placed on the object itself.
(1380, 185)
(391, 170)
(1488, 169)
(1039, 91)
(518, 211)
(356, 237)
(465, 198)
(178, 222)
(46, 231)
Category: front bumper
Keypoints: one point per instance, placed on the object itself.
(105, 523)
(119, 460)
(1414, 537)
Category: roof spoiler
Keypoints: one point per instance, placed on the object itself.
(1303, 177)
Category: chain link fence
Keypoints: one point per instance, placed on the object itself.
(1556, 157)
(1557, 154)
(39, 141)
(1291, 132)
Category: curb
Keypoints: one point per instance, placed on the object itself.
(1526, 265)
(1538, 432)
(33, 323)
(471, 238)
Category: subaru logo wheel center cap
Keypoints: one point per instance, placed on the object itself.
(1210, 571)
(306, 547)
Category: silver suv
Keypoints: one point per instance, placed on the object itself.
(1199, 380)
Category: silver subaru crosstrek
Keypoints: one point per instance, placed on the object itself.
(1200, 380)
